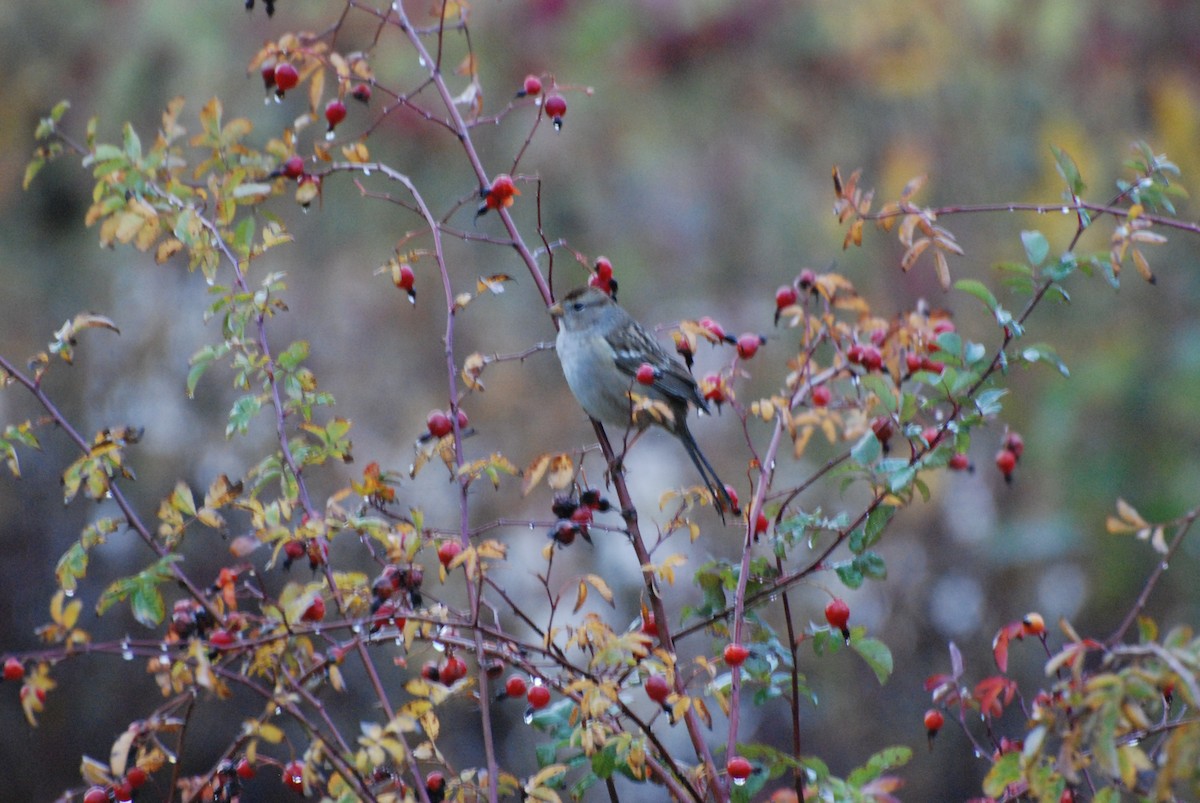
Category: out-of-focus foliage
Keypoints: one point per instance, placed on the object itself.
(699, 163)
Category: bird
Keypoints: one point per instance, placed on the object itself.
(604, 353)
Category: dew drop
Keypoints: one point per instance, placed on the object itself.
(399, 641)
(528, 716)
(557, 124)
(366, 172)
(439, 646)
(421, 60)
(68, 592)
(278, 710)
(316, 631)
(1012, 209)
(267, 100)
(739, 781)
(126, 651)
(356, 629)
(1163, 566)
(1066, 210)
(278, 98)
(163, 648)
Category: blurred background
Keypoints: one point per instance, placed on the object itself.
(699, 163)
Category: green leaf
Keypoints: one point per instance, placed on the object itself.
(604, 761)
(1004, 772)
(1037, 247)
(875, 653)
(244, 409)
(849, 574)
(1040, 352)
(1061, 268)
(872, 565)
(1068, 170)
(988, 401)
(867, 450)
(886, 759)
(978, 289)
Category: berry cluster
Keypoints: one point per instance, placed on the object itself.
(1010, 452)
(575, 515)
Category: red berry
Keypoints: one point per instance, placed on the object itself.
(538, 696)
(821, 396)
(286, 77)
(447, 551)
(293, 776)
(361, 93)
(136, 777)
(122, 791)
(736, 654)
(438, 424)
(405, 278)
(883, 428)
(500, 194)
(713, 328)
(96, 794)
(1006, 461)
(739, 769)
(872, 359)
(931, 435)
(604, 268)
(657, 688)
(335, 112)
(564, 532)
(913, 362)
(268, 75)
(713, 388)
(532, 86)
(461, 418)
(959, 462)
(785, 296)
(650, 626)
(854, 354)
(761, 523)
(454, 670)
(1015, 444)
(293, 167)
(315, 612)
(13, 669)
(1033, 624)
(837, 613)
(221, 639)
(934, 721)
(245, 770)
(556, 107)
(646, 374)
(515, 686)
(747, 345)
(435, 782)
(294, 549)
(581, 516)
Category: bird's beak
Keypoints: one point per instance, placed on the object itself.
(556, 311)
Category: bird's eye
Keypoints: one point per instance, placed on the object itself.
(577, 306)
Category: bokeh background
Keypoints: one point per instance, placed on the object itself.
(699, 163)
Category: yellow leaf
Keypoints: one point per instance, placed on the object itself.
(601, 587)
(562, 471)
(581, 596)
(943, 269)
(1129, 513)
(167, 249)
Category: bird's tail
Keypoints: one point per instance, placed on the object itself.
(721, 499)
